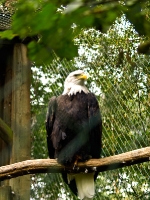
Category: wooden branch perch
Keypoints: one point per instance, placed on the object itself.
(51, 165)
(5, 132)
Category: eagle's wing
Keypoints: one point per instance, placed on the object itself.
(95, 124)
(50, 117)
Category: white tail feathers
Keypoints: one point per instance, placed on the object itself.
(85, 185)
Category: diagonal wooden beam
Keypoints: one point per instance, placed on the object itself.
(5, 132)
(51, 165)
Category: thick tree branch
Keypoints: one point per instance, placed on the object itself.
(51, 165)
(5, 132)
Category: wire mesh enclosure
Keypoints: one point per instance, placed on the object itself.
(5, 20)
(6, 11)
(120, 79)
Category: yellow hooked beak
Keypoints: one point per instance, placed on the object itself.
(83, 76)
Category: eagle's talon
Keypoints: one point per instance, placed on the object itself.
(74, 167)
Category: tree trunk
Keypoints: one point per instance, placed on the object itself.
(20, 117)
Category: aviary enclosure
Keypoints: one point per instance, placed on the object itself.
(120, 79)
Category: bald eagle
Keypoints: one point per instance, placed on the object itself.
(74, 130)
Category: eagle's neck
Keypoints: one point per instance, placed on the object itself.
(74, 89)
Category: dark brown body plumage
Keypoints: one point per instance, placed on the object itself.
(74, 128)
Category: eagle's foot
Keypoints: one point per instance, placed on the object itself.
(75, 165)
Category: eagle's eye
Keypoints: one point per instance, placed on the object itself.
(76, 74)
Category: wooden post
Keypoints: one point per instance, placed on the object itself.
(5, 193)
(20, 116)
(7, 91)
(5, 111)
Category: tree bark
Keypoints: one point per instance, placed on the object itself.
(20, 118)
(51, 165)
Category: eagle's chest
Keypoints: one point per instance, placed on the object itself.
(75, 106)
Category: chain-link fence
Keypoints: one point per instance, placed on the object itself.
(5, 20)
(6, 10)
(120, 79)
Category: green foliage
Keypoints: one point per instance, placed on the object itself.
(57, 23)
(8, 34)
(140, 18)
(53, 28)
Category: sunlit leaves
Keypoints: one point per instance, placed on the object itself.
(52, 27)
(52, 23)
(8, 34)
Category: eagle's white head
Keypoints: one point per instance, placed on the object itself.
(75, 83)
